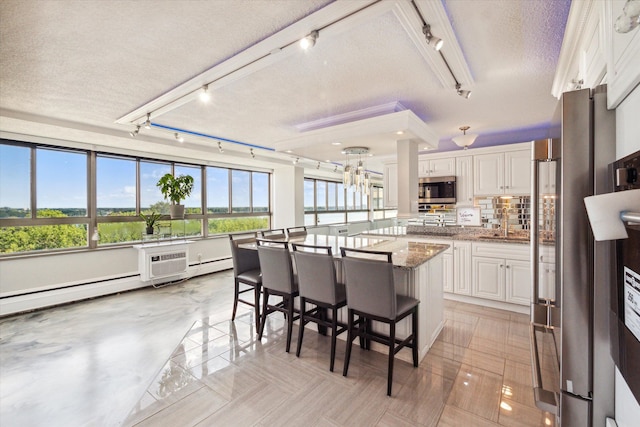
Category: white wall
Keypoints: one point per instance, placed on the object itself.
(288, 196)
(627, 142)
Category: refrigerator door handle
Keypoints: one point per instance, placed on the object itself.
(546, 400)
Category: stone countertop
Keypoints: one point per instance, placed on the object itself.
(406, 254)
(448, 233)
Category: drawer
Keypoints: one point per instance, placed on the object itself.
(501, 250)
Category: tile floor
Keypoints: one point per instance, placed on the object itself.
(172, 357)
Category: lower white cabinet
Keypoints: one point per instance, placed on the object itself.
(462, 268)
(501, 272)
(518, 282)
(447, 270)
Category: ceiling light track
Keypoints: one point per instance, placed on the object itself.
(436, 43)
(213, 137)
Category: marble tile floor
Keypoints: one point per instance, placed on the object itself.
(172, 357)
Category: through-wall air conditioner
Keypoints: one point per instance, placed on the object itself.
(157, 262)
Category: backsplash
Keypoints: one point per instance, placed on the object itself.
(498, 211)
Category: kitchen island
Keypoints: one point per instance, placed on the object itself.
(418, 272)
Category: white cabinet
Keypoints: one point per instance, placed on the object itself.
(464, 180)
(437, 167)
(462, 268)
(518, 281)
(547, 181)
(502, 173)
(390, 185)
(501, 272)
(447, 271)
(488, 278)
(517, 172)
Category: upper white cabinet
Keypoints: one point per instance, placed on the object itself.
(547, 181)
(622, 55)
(464, 180)
(390, 185)
(437, 167)
(502, 173)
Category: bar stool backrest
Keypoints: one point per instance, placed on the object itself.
(276, 233)
(244, 259)
(316, 273)
(276, 266)
(369, 282)
(297, 231)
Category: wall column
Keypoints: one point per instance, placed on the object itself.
(288, 196)
(407, 178)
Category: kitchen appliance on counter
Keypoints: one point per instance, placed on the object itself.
(437, 190)
(571, 273)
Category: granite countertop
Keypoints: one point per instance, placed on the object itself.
(450, 233)
(406, 254)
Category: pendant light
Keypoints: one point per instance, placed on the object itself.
(464, 140)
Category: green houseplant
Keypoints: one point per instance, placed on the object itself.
(176, 189)
(150, 220)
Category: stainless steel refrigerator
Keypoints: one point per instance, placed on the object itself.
(572, 369)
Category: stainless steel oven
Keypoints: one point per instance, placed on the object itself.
(437, 190)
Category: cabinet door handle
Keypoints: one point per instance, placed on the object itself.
(501, 266)
(501, 187)
(508, 266)
(506, 186)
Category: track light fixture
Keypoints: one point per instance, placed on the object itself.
(463, 93)
(204, 94)
(310, 40)
(220, 147)
(433, 41)
(335, 169)
(147, 124)
(464, 140)
(178, 137)
(318, 165)
(135, 132)
(253, 156)
(296, 160)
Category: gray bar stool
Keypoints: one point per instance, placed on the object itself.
(318, 285)
(246, 270)
(371, 295)
(277, 279)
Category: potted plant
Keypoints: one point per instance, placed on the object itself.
(176, 189)
(150, 220)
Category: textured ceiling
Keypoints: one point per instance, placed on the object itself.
(92, 62)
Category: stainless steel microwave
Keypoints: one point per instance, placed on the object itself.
(440, 189)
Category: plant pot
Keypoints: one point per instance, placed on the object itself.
(176, 211)
(150, 230)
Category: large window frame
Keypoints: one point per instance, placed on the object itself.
(92, 221)
(341, 209)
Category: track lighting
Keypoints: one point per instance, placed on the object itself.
(253, 156)
(204, 94)
(464, 140)
(220, 147)
(318, 165)
(295, 161)
(335, 169)
(310, 40)
(178, 137)
(433, 41)
(463, 93)
(147, 124)
(135, 132)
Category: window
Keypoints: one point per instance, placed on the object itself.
(15, 181)
(58, 170)
(327, 202)
(240, 191)
(125, 186)
(260, 191)
(115, 186)
(217, 190)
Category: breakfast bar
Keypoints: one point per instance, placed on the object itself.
(418, 273)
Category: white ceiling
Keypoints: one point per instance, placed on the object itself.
(87, 64)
